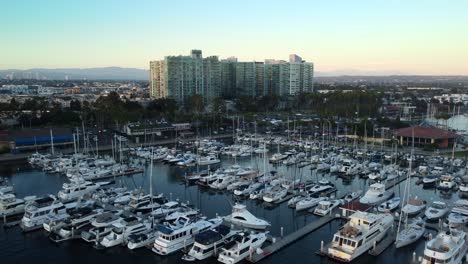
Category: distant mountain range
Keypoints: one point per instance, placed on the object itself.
(105, 73)
(118, 73)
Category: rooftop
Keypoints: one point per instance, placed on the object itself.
(425, 132)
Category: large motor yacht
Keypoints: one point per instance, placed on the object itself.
(242, 217)
(241, 247)
(376, 194)
(359, 235)
(447, 247)
(210, 242)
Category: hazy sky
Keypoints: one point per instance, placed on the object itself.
(408, 36)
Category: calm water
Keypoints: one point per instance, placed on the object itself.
(16, 247)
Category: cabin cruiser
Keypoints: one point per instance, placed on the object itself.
(322, 186)
(459, 214)
(376, 194)
(241, 247)
(210, 242)
(463, 187)
(10, 205)
(447, 247)
(106, 218)
(77, 189)
(430, 181)
(166, 209)
(222, 182)
(411, 233)
(414, 207)
(278, 157)
(37, 213)
(309, 202)
(123, 229)
(182, 211)
(436, 210)
(242, 217)
(142, 239)
(79, 218)
(352, 196)
(446, 182)
(95, 234)
(359, 235)
(389, 205)
(208, 160)
(326, 207)
(275, 195)
(5, 186)
(174, 237)
(248, 189)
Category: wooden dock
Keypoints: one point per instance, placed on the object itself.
(291, 238)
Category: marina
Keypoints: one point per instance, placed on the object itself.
(288, 231)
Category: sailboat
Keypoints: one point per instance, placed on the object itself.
(414, 230)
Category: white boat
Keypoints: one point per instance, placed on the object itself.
(208, 160)
(430, 181)
(11, 205)
(248, 189)
(447, 247)
(389, 205)
(242, 217)
(174, 237)
(352, 196)
(77, 189)
(293, 201)
(411, 233)
(166, 209)
(123, 229)
(222, 182)
(322, 186)
(210, 242)
(106, 219)
(37, 213)
(376, 194)
(446, 182)
(309, 202)
(241, 247)
(182, 211)
(95, 234)
(277, 157)
(436, 210)
(275, 195)
(414, 207)
(141, 240)
(326, 207)
(55, 221)
(459, 214)
(359, 235)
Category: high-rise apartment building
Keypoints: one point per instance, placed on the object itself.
(180, 77)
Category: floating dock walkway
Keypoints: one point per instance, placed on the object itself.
(291, 238)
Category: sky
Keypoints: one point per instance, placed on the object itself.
(360, 36)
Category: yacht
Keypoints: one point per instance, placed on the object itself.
(79, 219)
(359, 235)
(414, 207)
(208, 160)
(463, 187)
(436, 210)
(123, 229)
(211, 242)
(222, 182)
(166, 209)
(352, 196)
(447, 247)
(36, 213)
(411, 233)
(174, 237)
(242, 217)
(376, 194)
(326, 207)
(459, 214)
(95, 234)
(248, 189)
(446, 182)
(5, 186)
(389, 205)
(241, 247)
(430, 181)
(321, 187)
(275, 195)
(182, 211)
(107, 218)
(77, 189)
(141, 240)
(309, 202)
(10, 205)
(55, 222)
(278, 157)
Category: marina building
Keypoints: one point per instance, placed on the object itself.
(425, 136)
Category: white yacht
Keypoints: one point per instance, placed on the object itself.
(389, 205)
(222, 182)
(106, 219)
(37, 213)
(322, 186)
(275, 195)
(309, 202)
(211, 242)
(174, 237)
(446, 182)
(141, 240)
(11, 205)
(447, 247)
(95, 234)
(77, 189)
(123, 229)
(242, 245)
(166, 209)
(326, 207)
(436, 210)
(376, 194)
(208, 160)
(242, 217)
(182, 211)
(358, 235)
(411, 233)
(414, 207)
(459, 214)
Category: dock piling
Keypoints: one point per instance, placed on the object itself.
(282, 232)
(414, 257)
(321, 246)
